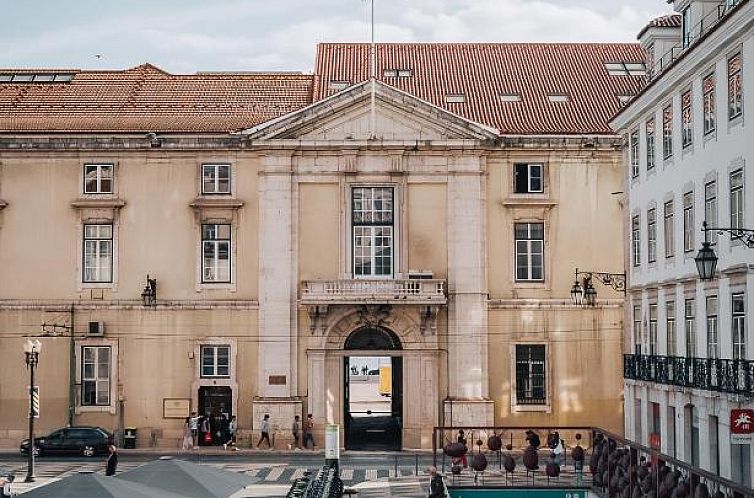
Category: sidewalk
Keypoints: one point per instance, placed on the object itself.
(218, 451)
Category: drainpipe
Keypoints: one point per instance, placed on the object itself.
(72, 370)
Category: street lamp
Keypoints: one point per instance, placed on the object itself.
(149, 294)
(706, 259)
(32, 350)
(583, 292)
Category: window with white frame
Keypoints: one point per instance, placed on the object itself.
(653, 329)
(713, 346)
(688, 221)
(216, 250)
(96, 363)
(651, 235)
(98, 178)
(373, 229)
(98, 253)
(710, 116)
(215, 361)
(735, 87)
(637, 328)
(710, 208)
(650, 127)
(635, 241)
(687, 120)
(215, 178)
(528, 178)
(690, 328)
(635, 154)
(669, 229)
(738, 307)
(667, 132)
(530, 247)
(531, 374)
(670, 333)
(737, 198)
(686, 26)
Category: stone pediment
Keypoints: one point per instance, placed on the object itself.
(398, 116)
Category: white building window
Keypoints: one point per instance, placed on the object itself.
(650, 127)
(689, 317)
(687, 120)
(635, 154)
(216, 248)
(531, 374)
(528, 178)
(98, 254)
(98, 178)
(713, 346)
(215, 361)
(710, 208)
(669, 229)
(95, 375)
(686, 26)
(635, 241)
(667, 132)
(735, 87)
(670, 331)
(710, 117)
(739, 326)
(530, 247)
(737, 199)
(215, 178)
(372, 220)
(637, 328)
(653, 329)
(688, 222)
(651, 236)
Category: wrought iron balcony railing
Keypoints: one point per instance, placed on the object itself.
(709, 374)
(357, 291)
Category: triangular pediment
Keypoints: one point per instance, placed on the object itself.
(348, 115)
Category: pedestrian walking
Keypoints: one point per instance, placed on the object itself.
(187, 442)
(296, 432)
(264, 430)
(533, 439)
(7, 486)
(436, 486)
(194, 426)
(112, 461)
(232, 427)
(309, 431)
(205, 436)
(462, 440)
(559, 448)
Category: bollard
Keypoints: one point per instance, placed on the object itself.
(416, 465)
(395, 474)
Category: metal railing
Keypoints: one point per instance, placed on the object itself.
(357, 290)
(710, 374)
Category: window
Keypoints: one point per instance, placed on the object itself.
(215, 178)
(98, 253)
(558, 97)
(530, 375)
(216, 253)
(653, 329)
(216, 361)
(372, 209)
(735, 88)
(635, 241)
(528, 178)
(650, 144)
(713, 348)
(669, 230)
(530, 242)
(737, 199)
(510, 97)
(95, 375)
(688, 314)
(708, 89)
(455, 98)
(739, 326)
(635, 154)
(670, 327)
(651, 236)
(626, 68)
(686, 18)
(710, 208)
(688, 222)
(687, 120)
(637, 328)
(98, 178)
(667, 132)
(339, 85)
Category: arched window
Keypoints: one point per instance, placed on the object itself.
(373, 338)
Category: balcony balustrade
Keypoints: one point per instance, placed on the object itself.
(357, 291)
(709, 374)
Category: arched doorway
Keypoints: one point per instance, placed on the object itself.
(373, 394)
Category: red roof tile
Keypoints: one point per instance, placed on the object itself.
(667, 21)
(146, 98)
(483, 72)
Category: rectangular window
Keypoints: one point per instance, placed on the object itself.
(710, 208)
(688, 222)
(528, 178)
(713, 346)
(216, 361)
(531, 388)
(687, 120)
(737, 199)
(735, 87)
(95, 375)
(635, 241)
(98, 178)
(216, 247)
(637, 328)
(710, 117)
(651, 236)
(688, 315)
(215, 178)
(635, 154)
(650, 144)
(686, 26)
(653, 329)
(667, 132)
(739, 326)
(372, 220)
(530, 251)
(670, 327)
(669, 230)
(98, 253)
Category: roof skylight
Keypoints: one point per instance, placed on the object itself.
(626, 68)
(397, 73)
(339, 84)
(558, 97)
(455, 98)
(510, 97)
(35, 77)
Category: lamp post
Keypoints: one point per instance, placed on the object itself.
(32, 350)
(583, 292)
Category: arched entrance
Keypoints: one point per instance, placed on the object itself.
(373, 394)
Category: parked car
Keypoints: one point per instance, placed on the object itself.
(82, 440)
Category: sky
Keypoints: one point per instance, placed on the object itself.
(185, 36)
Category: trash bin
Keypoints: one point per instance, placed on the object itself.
(129, 438)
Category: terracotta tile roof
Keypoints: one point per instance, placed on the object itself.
(667, 21)
(482, 73)
(146, 98)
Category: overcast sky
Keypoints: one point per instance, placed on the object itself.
(184, 36)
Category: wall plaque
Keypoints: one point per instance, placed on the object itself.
(176, 407)
(277, 380)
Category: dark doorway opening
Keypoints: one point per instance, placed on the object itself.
(215, 400)
(373, 391)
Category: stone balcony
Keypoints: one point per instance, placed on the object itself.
(357, 291)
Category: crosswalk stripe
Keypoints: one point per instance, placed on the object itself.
(370, 475)
(346, 474)
(297, 474)
(275, 474)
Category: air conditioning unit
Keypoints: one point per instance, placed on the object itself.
(96, 329)
(420, 275)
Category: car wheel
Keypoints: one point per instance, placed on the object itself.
(88, 451)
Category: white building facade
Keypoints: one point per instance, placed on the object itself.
(689, 149)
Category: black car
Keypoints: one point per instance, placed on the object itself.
(86, 441)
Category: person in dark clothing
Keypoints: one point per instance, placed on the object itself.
(112, 461)
(462, 440)
(436, 486)
(533, 439)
